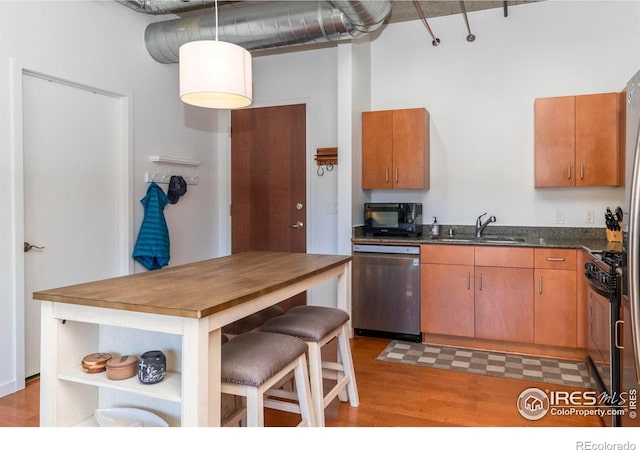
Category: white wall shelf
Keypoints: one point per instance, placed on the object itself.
(174, 160)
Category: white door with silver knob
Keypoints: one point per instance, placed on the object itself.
(72, 206)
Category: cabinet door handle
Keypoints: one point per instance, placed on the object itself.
(540, 285)
(581, 171)
(555, 259)
(480, 287)
(396, 174)
(569, 171)
(618, 334)
(468, 280)
(386, 175)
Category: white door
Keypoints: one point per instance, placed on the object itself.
(71, 197)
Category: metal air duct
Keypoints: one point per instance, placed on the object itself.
(165, 6)
(268, 25)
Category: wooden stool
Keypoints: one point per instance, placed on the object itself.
(254, 362)
(252, 321)
(317, 326)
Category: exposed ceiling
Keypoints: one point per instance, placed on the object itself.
(405, 10)
(281, 26)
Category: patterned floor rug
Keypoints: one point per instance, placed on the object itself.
(567, 373)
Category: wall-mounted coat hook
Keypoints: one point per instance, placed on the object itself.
(327, 157)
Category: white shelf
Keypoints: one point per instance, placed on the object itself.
(168, 389)
(174, 160)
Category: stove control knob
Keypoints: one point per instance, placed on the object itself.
(604, 278)
(591, 267)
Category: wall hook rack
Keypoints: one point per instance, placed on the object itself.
(327, 157)
(165, 177)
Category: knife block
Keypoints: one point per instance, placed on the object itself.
(614, 236)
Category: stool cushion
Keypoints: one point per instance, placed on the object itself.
(253, 358)
(252, 321)
(309, 323)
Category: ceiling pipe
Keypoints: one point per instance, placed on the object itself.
(159, 7)
(268, 25)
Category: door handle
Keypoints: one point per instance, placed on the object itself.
(297, 225)
(28, 247)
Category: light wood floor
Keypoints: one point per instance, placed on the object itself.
(391, 395)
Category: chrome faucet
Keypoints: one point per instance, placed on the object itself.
(481, 226)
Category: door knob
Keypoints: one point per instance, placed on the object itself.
(28, 247)
(297, 225)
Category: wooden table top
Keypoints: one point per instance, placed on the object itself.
(197, 289)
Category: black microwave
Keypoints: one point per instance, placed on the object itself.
(393, 219)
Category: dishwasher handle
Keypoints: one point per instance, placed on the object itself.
(387, 249)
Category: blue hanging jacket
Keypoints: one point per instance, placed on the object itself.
(152, 245)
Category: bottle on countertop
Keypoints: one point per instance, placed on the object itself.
(435, 227)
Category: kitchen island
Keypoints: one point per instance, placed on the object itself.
(193, 301)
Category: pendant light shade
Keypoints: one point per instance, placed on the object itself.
(215, 74)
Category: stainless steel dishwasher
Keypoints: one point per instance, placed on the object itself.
(386, 291)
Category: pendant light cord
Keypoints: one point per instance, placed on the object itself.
(216, 7)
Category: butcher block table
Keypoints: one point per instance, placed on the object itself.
(193, 301)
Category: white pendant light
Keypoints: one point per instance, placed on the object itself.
(215, 74)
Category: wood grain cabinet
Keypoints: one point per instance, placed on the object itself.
(504, 295)
(577, 141)
(447, 290)
(509, 294)
(395, 149)
(556, 297)
(482, 292)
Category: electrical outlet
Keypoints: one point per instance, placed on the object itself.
(559, 217)
(588, 216)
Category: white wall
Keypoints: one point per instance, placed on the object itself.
(101, 44)
(480, 96)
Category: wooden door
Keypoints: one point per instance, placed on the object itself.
(447, 305)
(504, 304)
(598, 156)
(377, 147)
(554, 142)
(268, 180)
(555, 307)
(410, 149)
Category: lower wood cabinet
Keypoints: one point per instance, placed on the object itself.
(509, 294)
(448, 305)
(556, 297)
(504, 304)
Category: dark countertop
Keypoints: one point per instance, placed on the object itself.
(593, 239)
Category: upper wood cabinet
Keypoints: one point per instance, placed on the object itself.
(395, 149)
(577, 141)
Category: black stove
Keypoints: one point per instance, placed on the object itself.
(610, 258)
(603, 273)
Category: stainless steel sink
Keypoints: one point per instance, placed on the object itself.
(500, 239)
(454, 240)
(488, 239)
